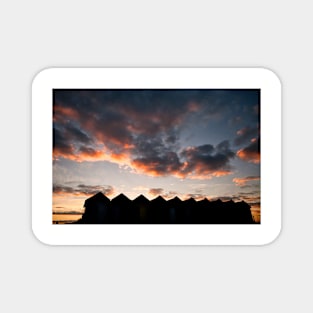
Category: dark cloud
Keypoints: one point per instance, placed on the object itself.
(61, 144)
(200, 162)
(82, 189)
(153, 146)
(207, 160)
(158, 166)
(245, 135)
(251, 153)
(116, 118)
(74, 133)
(66, 140)
(62, 189)
(141, 128)
(91, 189)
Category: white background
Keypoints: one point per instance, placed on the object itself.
(39, 278)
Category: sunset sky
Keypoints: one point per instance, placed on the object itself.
(185, 143)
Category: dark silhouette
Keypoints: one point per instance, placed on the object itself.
(97, 210)
(121, 210)
(140, 208)
(158, 210)
(188, 208)
(175, 211)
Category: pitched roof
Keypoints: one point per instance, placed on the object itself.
(190, 200)
(98, 197)
(159, 199)
(121, 198)
(141, 198)
(175, 200)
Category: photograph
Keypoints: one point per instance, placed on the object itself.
(156, 156)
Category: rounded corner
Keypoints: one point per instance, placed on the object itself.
(271, 74)
(38, 237)
(273, 237)
(40, 75)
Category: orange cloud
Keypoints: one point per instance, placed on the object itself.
(249, 156)
(148, 169)
(251, 153)
(242, 181)
(62, 113)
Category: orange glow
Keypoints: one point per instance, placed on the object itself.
(251, 157)
(93, 156)
(58, 153)
(61, 112)
(144, 168)
(122, 158)
(63, 193)
(256, 213)
(243, 180)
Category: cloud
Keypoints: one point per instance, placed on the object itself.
(252, 198)
(160, 192)
(207, 161)
(141, 129)
(159, 165)
(119, 123)
(196, 196)
(242, 181)
(251, 153)
(196, 162)
(82, 190)
(61, 145)
(245, 135)
(156, 191)
(64, 113)
(227, 198)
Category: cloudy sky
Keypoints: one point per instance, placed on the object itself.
(185, 143)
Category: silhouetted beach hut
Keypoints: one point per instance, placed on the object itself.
(230, 214)
(121, 209)
(140, 209)
(189, 210)
(158, 211)
(217, 214)
(96, 209)
(175, 212)
(203, 211)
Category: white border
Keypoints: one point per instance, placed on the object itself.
(188, 78)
